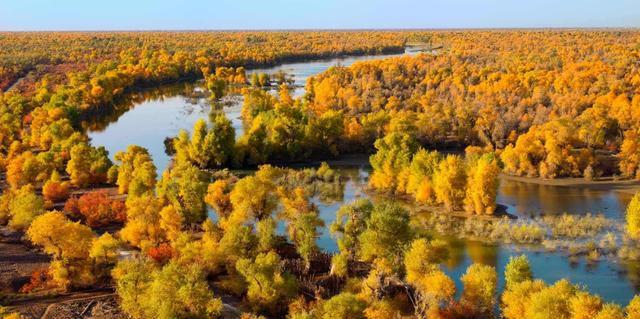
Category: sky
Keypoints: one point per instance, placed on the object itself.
(36, 15)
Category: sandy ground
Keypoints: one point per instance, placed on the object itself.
(17, 261)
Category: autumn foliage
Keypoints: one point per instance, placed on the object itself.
(97, 209)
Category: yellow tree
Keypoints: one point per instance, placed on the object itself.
(480, 284)
(218, 197)
(432, 286)
(482, 185)
(391, 161)
(136, 172)
(61, 237)
(69, 243)
(633, 217)
(630, 154)
(449, 182)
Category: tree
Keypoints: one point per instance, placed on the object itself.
(393, 157)
(88, 165)
(208, 147)
(25, 169)
(217, 86)
(180, 291)
(610, 311)
(630, 154)
(223, 140)
(184, 186)
(143, 222)
(323, 134)
(104, 249)
(136, 172)
(633, 217)
(24, 207)
(633, 309)
(54, 190)
(60, 237)
(266, 234)
(69, 243)
(516, 299)
(302, 222)
(386, 236)
(517, 271)
(253, 197)
(422, 258)
(420, 181)
(585, 306)
(551, 302)
(171, 222)
(432, 286)
(480, 284)
(350, 222)
(343, 306)
(482, 185)
(269, 287)
(449, 182)
(132, 279)
(218, 197)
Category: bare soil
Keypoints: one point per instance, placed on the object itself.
(17, 261)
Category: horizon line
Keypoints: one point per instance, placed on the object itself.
(602, 28)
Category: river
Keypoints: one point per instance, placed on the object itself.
(147, 118)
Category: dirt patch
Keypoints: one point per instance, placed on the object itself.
(17, 261)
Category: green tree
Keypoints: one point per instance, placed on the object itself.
(343, 306)
(269, 286)
(350, 222)
(517, 271)
(173, 291)
(253, 197)
(132, 280)
(88, 165)
(386, 236)
(302, 223)
(184, 186)
(180, 291)
(24, 206)
(420, 182)
(104, 249)
(136, 172)
(207, 147)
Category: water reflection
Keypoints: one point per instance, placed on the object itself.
(526, 199)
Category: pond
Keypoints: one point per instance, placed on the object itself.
(147, 118)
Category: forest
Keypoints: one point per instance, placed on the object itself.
(230, 228)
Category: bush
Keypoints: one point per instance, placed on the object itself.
(97, 209)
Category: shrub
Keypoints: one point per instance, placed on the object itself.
(97, 209)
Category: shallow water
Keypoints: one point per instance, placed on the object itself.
(147, 118)
(612, 281)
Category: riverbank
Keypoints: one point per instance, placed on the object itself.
(606, 183)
